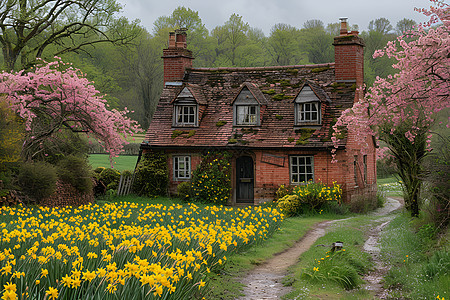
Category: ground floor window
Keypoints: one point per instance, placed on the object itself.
(182, 167)
(301, 169)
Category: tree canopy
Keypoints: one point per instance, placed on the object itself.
(56, 97)
(30, 28)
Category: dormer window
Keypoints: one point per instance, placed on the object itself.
(185, 113)
(307, 108)
(246, 109)
(246, 114)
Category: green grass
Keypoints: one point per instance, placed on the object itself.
(224, 284)
(136, 138)
(121, 163)
(390, 187)
(420, 269)
(328, 286)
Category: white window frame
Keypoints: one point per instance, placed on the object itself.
(306, 110)
(183, 115)
(181, 167)
(247, 115)
(300, 168)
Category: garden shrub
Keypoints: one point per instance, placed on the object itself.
(151, 176)
(110, 178)
(309, 197)
(37, 180)
(283, 190)
(211, 181)
(184, 190)
(76, 171)
(290, 205)
(364, 203)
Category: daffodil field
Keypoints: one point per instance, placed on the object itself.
(122, 250)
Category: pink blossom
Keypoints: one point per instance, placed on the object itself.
(63, 93)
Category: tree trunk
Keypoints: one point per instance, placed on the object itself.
(408, 158)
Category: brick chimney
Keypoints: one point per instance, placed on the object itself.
(176, 57)
(349, 55)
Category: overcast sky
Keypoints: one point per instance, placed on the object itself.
(263, 14)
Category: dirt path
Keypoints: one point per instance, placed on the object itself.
(371, 246)
(265, 281)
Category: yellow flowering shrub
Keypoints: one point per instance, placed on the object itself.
(122, 250)
(289, 204)
(311, 196)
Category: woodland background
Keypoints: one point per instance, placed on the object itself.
(130, 71)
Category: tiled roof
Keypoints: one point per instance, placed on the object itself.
(275, 88)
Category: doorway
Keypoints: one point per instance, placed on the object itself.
(244, 180)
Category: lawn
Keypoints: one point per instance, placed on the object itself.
(121, 163)
(123, 250)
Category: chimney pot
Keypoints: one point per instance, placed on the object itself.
(172, 40)
(344, 29)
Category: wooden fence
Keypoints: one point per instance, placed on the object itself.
(125, 185)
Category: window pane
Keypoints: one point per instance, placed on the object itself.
(302, 169)
(302, 178)
(181, 167)
(246, 115)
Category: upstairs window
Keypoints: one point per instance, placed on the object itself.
(246, 109)
(246, 115)
(185, 113)
(307, 108)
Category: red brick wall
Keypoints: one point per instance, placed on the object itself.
(269, 177)
(67, 195)
(175, 62)
(195, 160)
(349, 58)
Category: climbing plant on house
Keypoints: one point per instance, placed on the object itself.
(211, 180)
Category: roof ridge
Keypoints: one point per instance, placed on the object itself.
(262, 68)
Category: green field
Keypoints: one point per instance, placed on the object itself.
(121, 163)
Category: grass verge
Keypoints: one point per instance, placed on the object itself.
(420, 260)
(324, 275)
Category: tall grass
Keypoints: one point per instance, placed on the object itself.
(419, 270)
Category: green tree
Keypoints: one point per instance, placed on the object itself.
(317, 42)
(11, 135)
(29, 28)
(231, 36)
(284, 47)
(381, 25)
(404, 25)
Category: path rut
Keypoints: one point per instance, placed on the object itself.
(265, 281)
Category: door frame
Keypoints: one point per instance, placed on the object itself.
(238, 179)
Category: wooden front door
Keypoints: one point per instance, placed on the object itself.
(244, 179)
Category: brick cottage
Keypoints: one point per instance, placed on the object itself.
(276, 121)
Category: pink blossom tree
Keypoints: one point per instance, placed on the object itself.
(400, 109)
(56, 97)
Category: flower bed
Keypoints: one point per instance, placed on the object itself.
(122, 250)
